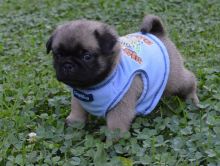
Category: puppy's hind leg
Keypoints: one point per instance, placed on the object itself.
(188, 87)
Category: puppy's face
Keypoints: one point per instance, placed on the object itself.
(84, 52)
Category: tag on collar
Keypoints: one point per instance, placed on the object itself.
(83, 96)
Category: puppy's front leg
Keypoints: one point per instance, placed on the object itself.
(77, 113)
(121, 116)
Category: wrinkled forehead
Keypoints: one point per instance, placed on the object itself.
(71, 36)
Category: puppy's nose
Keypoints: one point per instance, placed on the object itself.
(68, 67)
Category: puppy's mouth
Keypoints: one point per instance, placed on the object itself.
(77, 83)
(72, 79)
(65, 72)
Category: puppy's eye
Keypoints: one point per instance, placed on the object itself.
(87, 57)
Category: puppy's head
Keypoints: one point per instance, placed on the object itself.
(84, 52)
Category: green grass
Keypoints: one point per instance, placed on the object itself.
(31, 99)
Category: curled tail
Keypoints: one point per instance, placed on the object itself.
(152, 24)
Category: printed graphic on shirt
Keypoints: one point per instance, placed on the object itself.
(83, 96)
(131, 45)
(133, 55)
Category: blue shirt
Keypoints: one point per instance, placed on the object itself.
(140, 54)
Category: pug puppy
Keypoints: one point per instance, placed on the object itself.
(118, 77)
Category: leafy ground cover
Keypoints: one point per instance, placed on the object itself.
(31, 100)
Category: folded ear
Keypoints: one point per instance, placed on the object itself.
(49, 44)
(107, 38)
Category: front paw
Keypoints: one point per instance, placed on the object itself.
(116, 135)
(70, 120)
